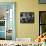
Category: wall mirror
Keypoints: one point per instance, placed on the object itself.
(7, 21)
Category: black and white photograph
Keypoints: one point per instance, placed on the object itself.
(26, 17)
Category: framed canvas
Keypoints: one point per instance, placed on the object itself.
(42, 1)
(26, 17)
(7, 20)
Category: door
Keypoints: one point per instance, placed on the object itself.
(42, 22)
(8, 15)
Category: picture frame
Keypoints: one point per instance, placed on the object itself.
(26, 17)
(42, 1)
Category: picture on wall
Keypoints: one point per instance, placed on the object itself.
(26, 17)
(42, 1)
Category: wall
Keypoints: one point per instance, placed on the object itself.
(27, 30)
(24, 30)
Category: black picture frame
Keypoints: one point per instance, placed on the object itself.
(42, 1)
(26, 17)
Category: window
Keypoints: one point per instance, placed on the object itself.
(42, 22)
